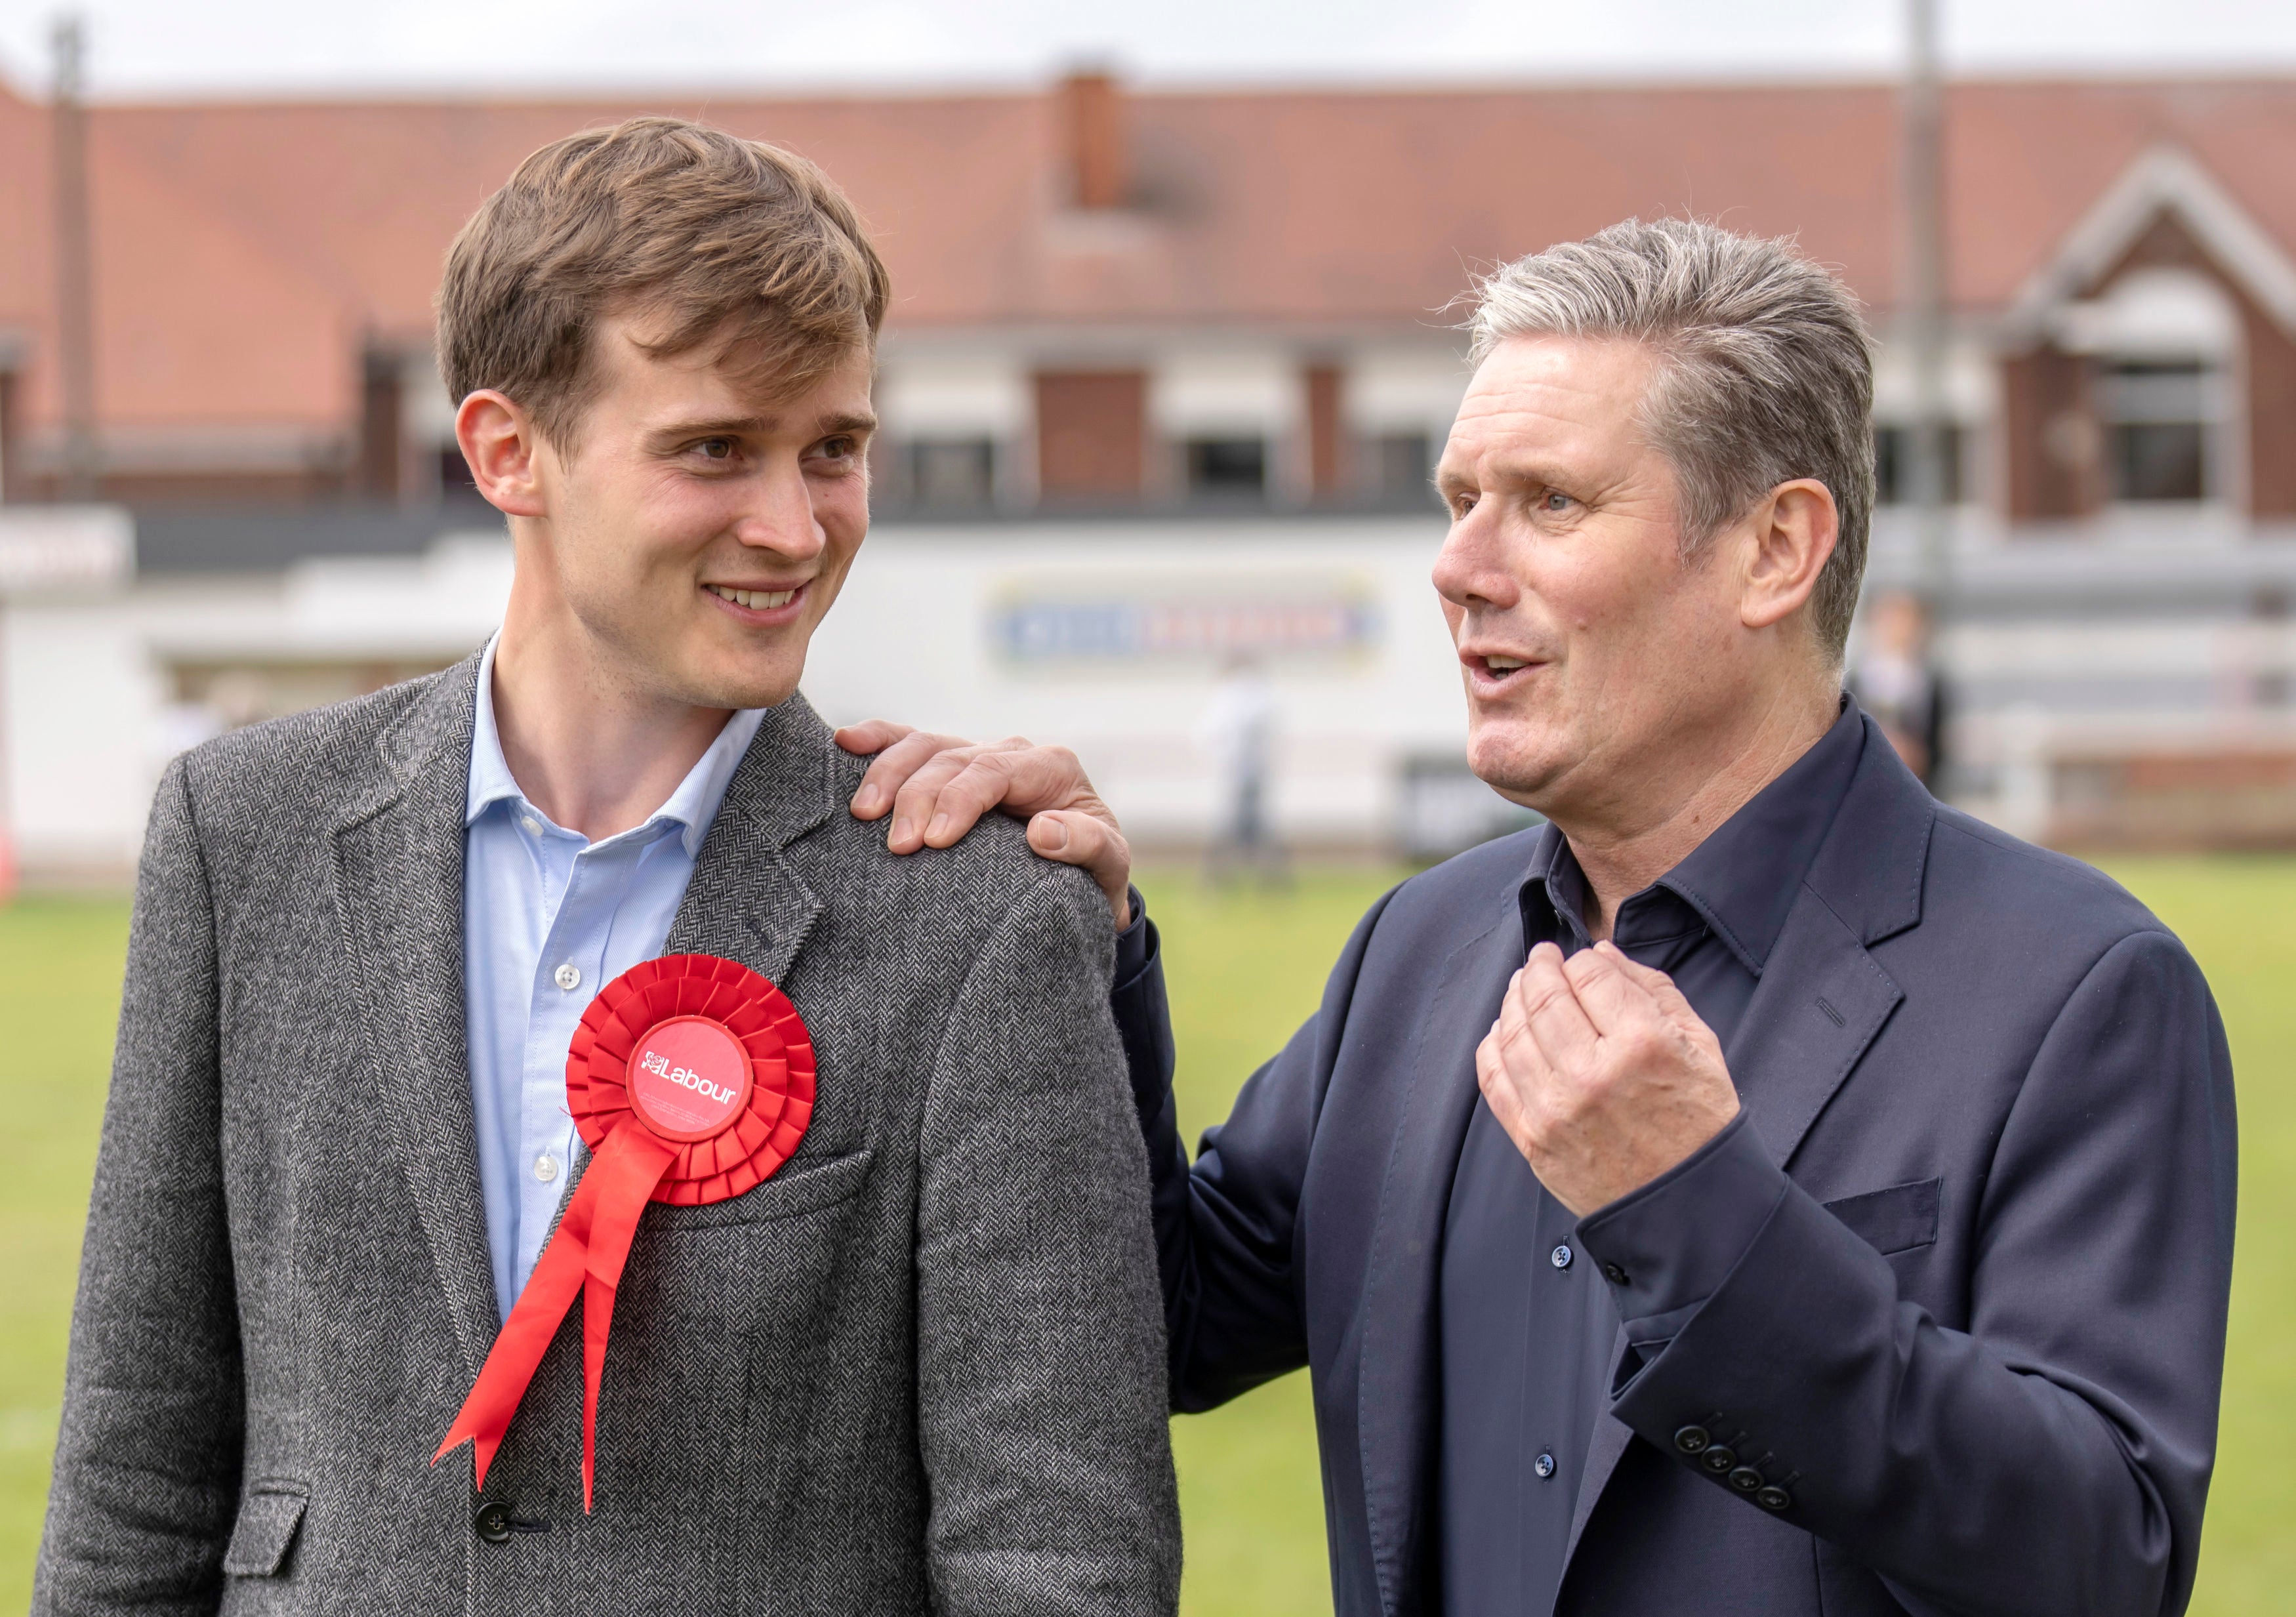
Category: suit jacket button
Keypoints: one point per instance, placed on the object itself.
(1719, 1458)
(1693, 1440)
(493, 1522)
(1773, 1497)
(1745, 1479)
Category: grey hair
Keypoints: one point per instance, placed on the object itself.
(1766, 370)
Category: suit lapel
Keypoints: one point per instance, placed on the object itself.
(398, 896)
(1820, 1002)
(1822, 999)
(746, 900)
(1396, 1395)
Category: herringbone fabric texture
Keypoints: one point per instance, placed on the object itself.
(919, 1369)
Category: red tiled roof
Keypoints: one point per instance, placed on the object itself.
(243, 250)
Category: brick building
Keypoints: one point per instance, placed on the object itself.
(1118, 300)
(1165, 357)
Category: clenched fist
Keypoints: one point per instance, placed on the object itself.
(1601, 1074)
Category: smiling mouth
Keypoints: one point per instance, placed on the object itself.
(754, 600)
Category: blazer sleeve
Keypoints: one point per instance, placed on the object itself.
(1040, 1347)
(2055, 1457)
(146, 1480)
(1227, 1227)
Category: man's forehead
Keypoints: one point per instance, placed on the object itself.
(726, 375)
(1558, 391)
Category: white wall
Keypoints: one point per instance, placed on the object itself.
(88, 726)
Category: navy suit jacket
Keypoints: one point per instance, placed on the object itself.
(1981, 1331)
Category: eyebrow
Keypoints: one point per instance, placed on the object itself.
(843, 421)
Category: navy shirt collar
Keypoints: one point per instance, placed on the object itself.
(1739, 882)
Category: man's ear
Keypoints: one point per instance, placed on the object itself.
(1794, 529)
(500, 444)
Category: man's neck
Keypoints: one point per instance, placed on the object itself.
(591, 753)
(1623, 852)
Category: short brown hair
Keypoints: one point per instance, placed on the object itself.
(729, 239)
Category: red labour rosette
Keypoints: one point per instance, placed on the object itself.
(691, 1080)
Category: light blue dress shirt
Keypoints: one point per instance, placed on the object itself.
(549, 917)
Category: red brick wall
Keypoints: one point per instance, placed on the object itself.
(1327, 478)
(2053, 455)
(1092, 428)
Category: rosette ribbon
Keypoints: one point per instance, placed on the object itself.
(691, 1080)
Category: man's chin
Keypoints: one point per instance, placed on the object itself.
(1520, 768)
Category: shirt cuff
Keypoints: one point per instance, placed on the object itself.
(1669, 1246)
(1134, 944)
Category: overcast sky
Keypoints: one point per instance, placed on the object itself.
(194, 47)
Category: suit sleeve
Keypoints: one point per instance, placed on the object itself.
(146, 1480)
(1041, 1399)
(2056, 1456)
(1227, 1228)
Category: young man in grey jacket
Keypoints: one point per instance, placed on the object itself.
(918, 1367)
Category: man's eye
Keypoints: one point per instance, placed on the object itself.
(836, 449)
(719, 449)
(1552, 501)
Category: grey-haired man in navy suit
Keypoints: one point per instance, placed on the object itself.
(1761, 1189)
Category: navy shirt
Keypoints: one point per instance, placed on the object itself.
(1527, 1321)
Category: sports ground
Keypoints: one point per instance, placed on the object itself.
(1244, 969)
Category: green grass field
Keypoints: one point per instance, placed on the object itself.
(1244, 969)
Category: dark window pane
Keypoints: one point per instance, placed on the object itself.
(1403, 467)
(1227, 466)
(2157, 461)
(955, 474)
(1893, 465)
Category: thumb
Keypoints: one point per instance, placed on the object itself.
(1070, 836)
(871, 735)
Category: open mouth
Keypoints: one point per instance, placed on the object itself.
(1490, 672)
(754, 600)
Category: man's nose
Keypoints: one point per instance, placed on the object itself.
(1471, 570)
(778, 515)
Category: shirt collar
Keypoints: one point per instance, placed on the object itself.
(691, 807)
(1743, 879)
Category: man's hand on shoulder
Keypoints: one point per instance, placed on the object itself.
(936, 788)
(1601, 1074)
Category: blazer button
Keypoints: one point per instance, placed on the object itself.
(1745, 1479)
(1719, 1458)
(1693, 1440)
(493, 1522)
(1773, 1497)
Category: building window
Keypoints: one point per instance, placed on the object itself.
(1401, 469)
(2158, 416)
(947, 473)
(1893, 465)
(1228, 468)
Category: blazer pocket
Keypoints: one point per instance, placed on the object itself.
(268, 1516)
(1893, 1220)
(792, 1190)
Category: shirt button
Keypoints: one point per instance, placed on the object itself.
(568, 976)
(546, 1168)
(532, 826)
(1613, 1273)
(1545, 1466)
(1559, 1256)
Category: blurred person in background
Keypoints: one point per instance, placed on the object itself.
(1896, 679)
(1239, 731)
(919, 1366)
(1762, 1188)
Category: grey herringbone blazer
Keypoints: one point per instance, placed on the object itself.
(919, 1368)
